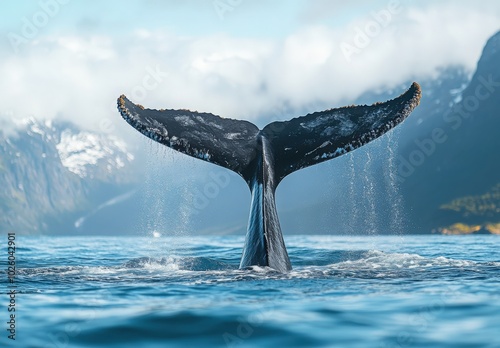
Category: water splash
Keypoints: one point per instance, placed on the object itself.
(165, 215)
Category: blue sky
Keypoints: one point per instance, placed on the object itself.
(256, 18)
(248, 60)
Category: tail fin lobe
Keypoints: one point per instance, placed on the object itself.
(320, 136)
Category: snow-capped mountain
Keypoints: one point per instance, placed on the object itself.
(49, 169)
(86, 153)
(57, 178)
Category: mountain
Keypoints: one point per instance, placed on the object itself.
(438, 172)
(452, 177)
(50, 170)
(364, 191)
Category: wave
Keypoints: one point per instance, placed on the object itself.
(372, 264)
(198, 264)
(189, 328)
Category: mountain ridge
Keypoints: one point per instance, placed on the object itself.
(57, 178)
(50, 168)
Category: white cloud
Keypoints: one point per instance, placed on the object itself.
(80, 77)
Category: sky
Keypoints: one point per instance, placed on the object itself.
(71, 59)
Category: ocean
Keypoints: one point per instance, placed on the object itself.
(376, 291)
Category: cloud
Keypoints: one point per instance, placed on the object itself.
(79, 77)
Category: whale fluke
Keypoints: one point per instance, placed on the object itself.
(265, 157)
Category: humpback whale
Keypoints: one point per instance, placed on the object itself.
(264, 157)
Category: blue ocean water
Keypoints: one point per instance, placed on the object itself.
(409, 291)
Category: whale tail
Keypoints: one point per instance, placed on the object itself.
(265, 157)
(298, 143)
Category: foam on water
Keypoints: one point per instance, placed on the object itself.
(336, 263)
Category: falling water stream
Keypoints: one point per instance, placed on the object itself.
(370, 199)
(153, 215)
(169, 210)
(394, 196)
(369, 194)
(353, 209)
